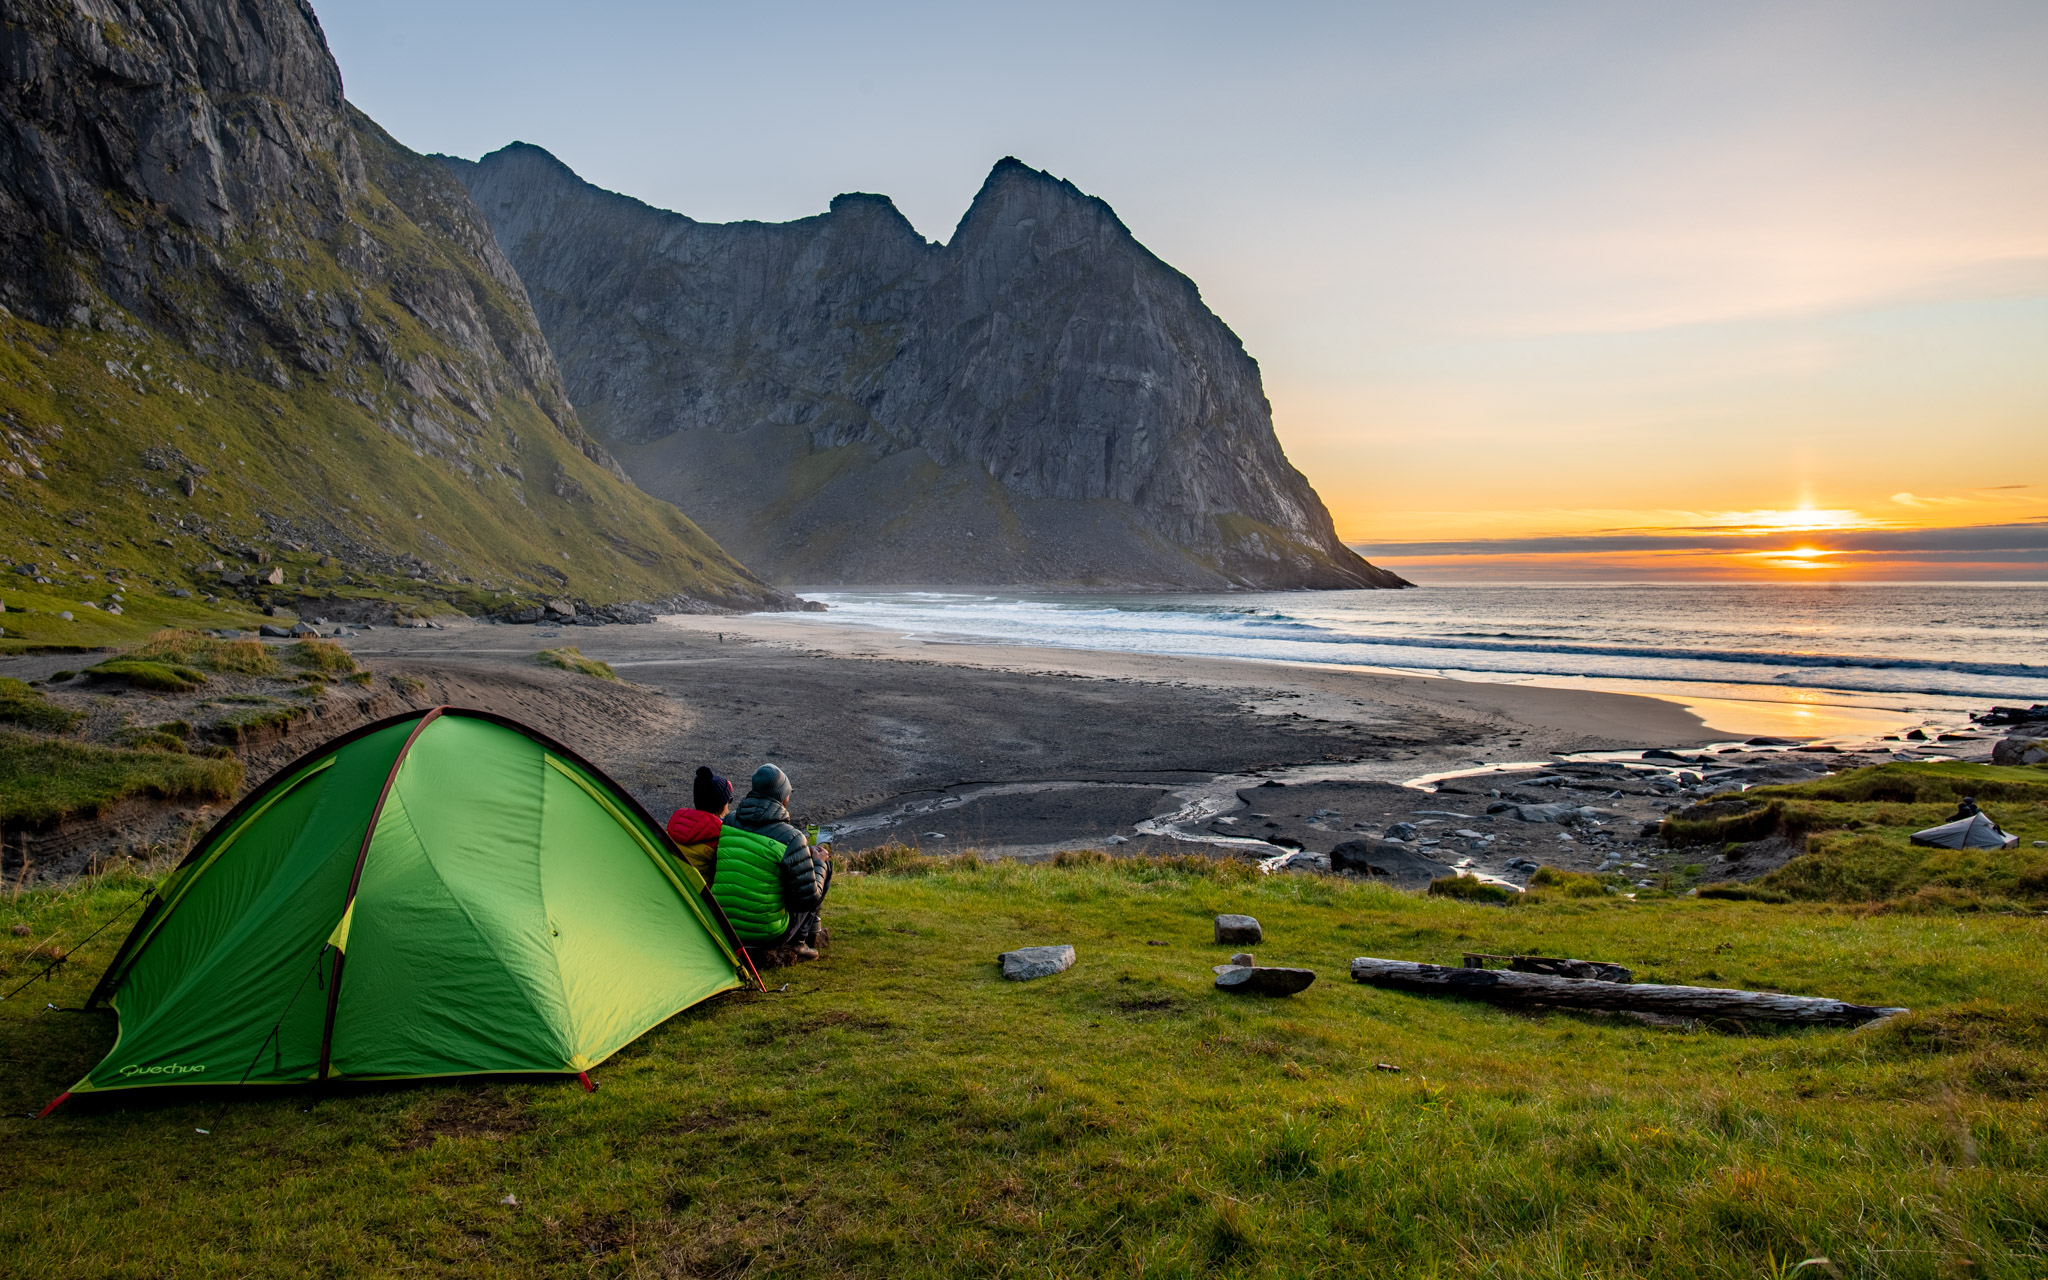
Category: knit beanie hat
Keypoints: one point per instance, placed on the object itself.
(710, 792)
(771, 782)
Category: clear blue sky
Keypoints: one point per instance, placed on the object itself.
(1510, 268)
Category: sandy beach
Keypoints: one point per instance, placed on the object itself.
(1013, 751)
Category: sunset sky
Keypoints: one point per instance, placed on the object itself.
(1539, 290)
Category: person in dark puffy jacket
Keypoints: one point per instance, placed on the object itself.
(695, 830)
(790, 898)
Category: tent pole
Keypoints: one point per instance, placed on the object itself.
(355, 879)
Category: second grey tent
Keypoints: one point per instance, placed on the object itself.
(1973, 832)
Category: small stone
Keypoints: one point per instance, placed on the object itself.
(1243, 957)
(21, 931)
(1026, 963)
(273, 632)
(1231, 928)
(1403, 831)
(64, 614)
(510, 1200)
(934, 835)
(275, 577)
(1118, 840)
(1240, 980)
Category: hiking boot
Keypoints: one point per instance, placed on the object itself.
(802, 952)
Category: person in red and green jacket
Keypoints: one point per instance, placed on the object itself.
(766, 878)
(696, 829)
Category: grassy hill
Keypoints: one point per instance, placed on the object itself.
(899, 1110)
(246, 331)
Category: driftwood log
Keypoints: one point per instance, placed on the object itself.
(1508, 987)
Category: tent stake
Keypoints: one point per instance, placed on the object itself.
(584, 1076)
(55, 1103)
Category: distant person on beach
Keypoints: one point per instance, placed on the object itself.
(770, 882)
(696, 829)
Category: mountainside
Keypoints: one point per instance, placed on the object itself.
(241, 321)
(1038, 401)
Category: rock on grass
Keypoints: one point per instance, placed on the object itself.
(1026, 963)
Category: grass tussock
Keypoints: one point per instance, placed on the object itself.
(902, 1110)
(44, 780)
(323, 658)
(1558, 883)
(570, 658)
(27, 708)
(1469, 888)
(189, 648)
(174, 661)
(157, 677)
(267, 719)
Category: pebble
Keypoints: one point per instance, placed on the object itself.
(1231, 928)
(1026, 963)
(1242, 957)
(1403, 831)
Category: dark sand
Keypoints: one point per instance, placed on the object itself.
(1010, 752)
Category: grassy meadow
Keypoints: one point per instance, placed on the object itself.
(899, 1110)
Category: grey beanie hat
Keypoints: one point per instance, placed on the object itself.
(771, 782)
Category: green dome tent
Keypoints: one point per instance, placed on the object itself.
(442, 893)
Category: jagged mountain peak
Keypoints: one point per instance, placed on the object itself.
(1038, 400)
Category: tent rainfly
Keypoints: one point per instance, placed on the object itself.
(1973, 832)
(442, 893)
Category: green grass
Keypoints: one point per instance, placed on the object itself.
(237, 657)
(570, 658)
(1857, 826)
(240, 726)
(27, 708)
(1469, 888)
(162, 677)
(323, 658)
(43, 780)
(899, 1110)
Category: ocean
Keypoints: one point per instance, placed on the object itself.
(1818, 661)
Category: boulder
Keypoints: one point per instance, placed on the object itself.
(1262, 981)
(1026, 963)
(1405, 865)
(275, 577)
(2020, 750)
(560, 609)
(272, 631)
(1231, 928)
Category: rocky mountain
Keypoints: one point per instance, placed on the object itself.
(1038, 401)
(240, 321)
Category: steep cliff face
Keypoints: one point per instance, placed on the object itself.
(1041, 400)
(237, 313)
